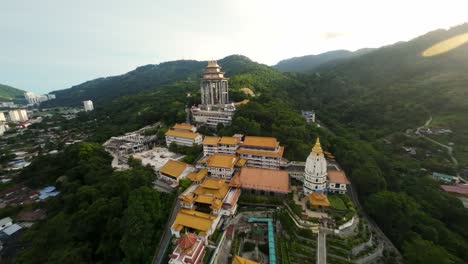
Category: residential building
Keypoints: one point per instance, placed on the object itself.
(337, 181)
(215, 107)
(223, 145)
(459, 189)
(3, 128)
(88, 105)
(315, 177)
(190, 250)
(309, 116)
(18, 115)
(222, 165)
(174, 170)
(37, 99)
(183, 138)
(261, 152)
(2, 117)
(262, 181)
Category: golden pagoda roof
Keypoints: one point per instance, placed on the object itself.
(212, 63)
(317, 147)
(216, 187)
(173, 168)
(229, 141)
(318, 199)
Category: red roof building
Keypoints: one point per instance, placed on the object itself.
(190, 249)
(258, 179)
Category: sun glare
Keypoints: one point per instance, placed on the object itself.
(446, 45)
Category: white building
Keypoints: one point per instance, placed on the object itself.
(183, 138)
(37, 99)
(3, 128)
(5, 222)
(88, 105)
(261, 152)
(309, 116)
(23, 114)
(315, 176)
(2, 117)
(18, 115)
(222, 165)
(223, 145)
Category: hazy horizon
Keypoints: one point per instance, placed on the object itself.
(52, 45)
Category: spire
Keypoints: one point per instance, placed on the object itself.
(317, 147)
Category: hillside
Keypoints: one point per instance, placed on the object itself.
(154, 75)
(8, 93)
(395, 88)
(308, 63)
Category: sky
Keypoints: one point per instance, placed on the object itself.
(54, 44)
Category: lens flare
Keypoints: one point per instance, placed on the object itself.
(446, 45)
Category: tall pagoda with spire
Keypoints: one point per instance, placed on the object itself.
(315, 177)
(215, 107)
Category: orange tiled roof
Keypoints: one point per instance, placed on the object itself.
(337, 176)
(183, 126)
(278, 153)
(222, 160)
(265, 142)
(262, 179)
(318, 199)
(183, 134)
(229, 141)
(173, 168)
(187, 240)
(210, 140)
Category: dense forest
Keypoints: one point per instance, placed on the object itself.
(364, 104)
(102, 216)
(7, 93)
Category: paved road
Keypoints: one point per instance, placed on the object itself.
(321, 248)
(373, 225)
(166, 238)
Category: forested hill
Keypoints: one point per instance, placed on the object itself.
(8, 92)
(150, 76)
(308, 63)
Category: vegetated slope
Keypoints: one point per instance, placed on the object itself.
(309, 63)
(378, 96)
(9, 93)
(395, 88)
(151, 76)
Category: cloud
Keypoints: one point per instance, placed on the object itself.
(333, 35)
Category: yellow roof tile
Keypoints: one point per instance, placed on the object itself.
(222, 160)
(183, 134)
(240, 260)
(229, 141)
(173, 168)
(197, 176)
(278, 153)
(210, 140)
(264, 142)
(318, 199)
(193, 219)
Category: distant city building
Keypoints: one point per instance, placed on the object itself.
(184, 135)
(88, 105)
(8, 104)
(2, 117)
(215, 107)
(37, 99)
(19, 115)
(309, 116)
(3, 128)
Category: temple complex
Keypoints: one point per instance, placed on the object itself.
(215, 107)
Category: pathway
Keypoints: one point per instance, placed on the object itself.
(166, 237)
(321, 248)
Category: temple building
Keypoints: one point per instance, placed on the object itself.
(222, 165)
(224, 145)
(315, 176)
(203, 204)
(175, 170)
(215, 107)
(262, 181)
(261, 152)
(190, 250)
(184, 135)
(322, 173)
